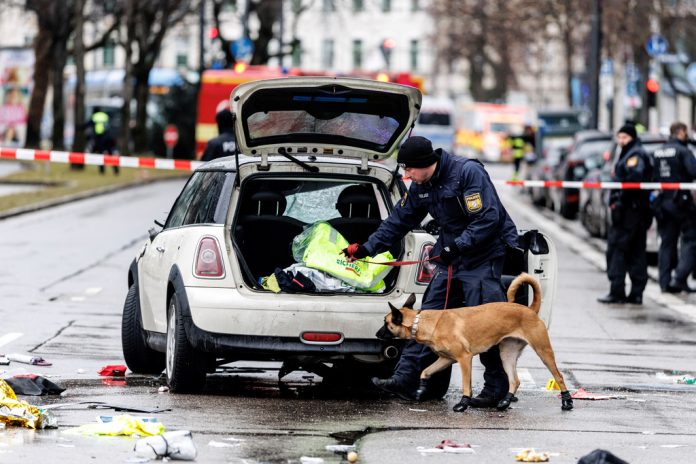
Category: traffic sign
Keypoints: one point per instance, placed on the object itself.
(242, 48)
(171, 135)
(691, 74)
(656, 45)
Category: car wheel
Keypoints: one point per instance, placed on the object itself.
(185, 367)
(140, 358)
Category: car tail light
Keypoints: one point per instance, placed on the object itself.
(426, 269)
(208, 259)
(322, 337)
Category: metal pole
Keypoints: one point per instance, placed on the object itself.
(595, 61)
(201, 38)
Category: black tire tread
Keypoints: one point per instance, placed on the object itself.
(140, 358)
(189, 374)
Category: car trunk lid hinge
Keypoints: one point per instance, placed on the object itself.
(363, 169)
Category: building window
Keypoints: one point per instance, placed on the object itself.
(297, 54)
(181, 60)
(327, 54)
(329, 6)
(357, 54)
(414, 55)
(415, 5)
(358, 5)
(108, 53)
(386, 6)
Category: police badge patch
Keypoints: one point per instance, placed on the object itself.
(473, 202)
(632, 161)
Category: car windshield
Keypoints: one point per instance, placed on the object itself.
(589, 148)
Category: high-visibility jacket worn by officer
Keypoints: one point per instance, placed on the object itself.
(100, 121)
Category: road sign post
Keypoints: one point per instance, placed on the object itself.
(171, 137)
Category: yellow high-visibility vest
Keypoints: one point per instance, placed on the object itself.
(319, 247)
(100, 119)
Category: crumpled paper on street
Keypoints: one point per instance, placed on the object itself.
(21, 413)
(124, 425)
(532, 455)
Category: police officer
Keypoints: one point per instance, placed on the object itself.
(630, 218)
(475, 230)
(102, 140)
(225, 143)
(675, 210)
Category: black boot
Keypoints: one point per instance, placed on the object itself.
(566, 401)
(462, 405)
(611, 299)
(505, 402)
(395, 386)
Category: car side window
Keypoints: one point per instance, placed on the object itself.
(178, 212)
(203, 206)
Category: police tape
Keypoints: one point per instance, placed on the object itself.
(599, 185)
(28, 154)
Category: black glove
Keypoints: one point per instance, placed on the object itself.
(355, 251)
(449, 253)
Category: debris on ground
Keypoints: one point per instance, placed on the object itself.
(21, 413)
(417, 410)
(124, 425)
(172, 445)
(123, 408)
(4, 361)
(311, 460)
(223, 444)
(352, 456)
(163, 389)
(687, 380)
(582, 394)
(448, 446)
(532, 455)
(113, 370)
(600, 456)
(340, 448)
(33, 385)
(28, 359)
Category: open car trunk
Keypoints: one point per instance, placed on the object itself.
(273, 210)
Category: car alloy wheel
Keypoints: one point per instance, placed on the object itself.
(185, 366)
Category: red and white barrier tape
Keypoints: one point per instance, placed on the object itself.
(97, 160)
(189, 165)
(599, 185)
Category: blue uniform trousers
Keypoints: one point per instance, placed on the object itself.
(469, 287)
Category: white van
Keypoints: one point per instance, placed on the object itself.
(436, 122)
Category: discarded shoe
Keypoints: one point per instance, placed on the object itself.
(393, 386)
(611, 299)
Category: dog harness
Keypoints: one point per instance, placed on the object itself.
(414, 327)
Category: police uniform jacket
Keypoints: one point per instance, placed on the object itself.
(224, 144)
(633, 165)
(462, 199)
(674, 162)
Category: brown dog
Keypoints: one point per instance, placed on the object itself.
(457, 335)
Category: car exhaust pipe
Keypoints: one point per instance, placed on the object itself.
(391, 352)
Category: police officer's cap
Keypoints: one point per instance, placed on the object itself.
(417, 152)
(628, 129)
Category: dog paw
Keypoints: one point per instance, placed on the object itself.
(462, 405)
(505, 402)
(422, 389)
(566, 401)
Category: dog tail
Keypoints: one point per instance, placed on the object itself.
(525, 278)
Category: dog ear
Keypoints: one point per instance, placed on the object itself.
(397, 317)
(411, 301)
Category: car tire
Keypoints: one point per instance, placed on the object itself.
(185, 367)
(139, 357)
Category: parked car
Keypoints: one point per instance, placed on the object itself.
(311, 151)
(594, 203)
(545, 168)
(586, 144)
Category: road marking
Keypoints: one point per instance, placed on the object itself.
(77, 298)
(93, 291)
(10, 337)
(526, 379)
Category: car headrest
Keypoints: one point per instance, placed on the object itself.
(267, 203)
(357, 201)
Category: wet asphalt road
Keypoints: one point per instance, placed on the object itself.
(63, 283)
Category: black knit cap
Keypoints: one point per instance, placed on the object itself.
(628, 129)
(417, 152)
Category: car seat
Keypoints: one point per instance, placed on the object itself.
(359, 213)
(264, 234)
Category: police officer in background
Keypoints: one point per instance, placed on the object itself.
(631, 217)
(675, 210)
(224, 144)
(475, 231)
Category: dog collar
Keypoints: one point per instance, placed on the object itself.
(414, 327)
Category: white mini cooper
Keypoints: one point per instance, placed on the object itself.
(310, 149)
